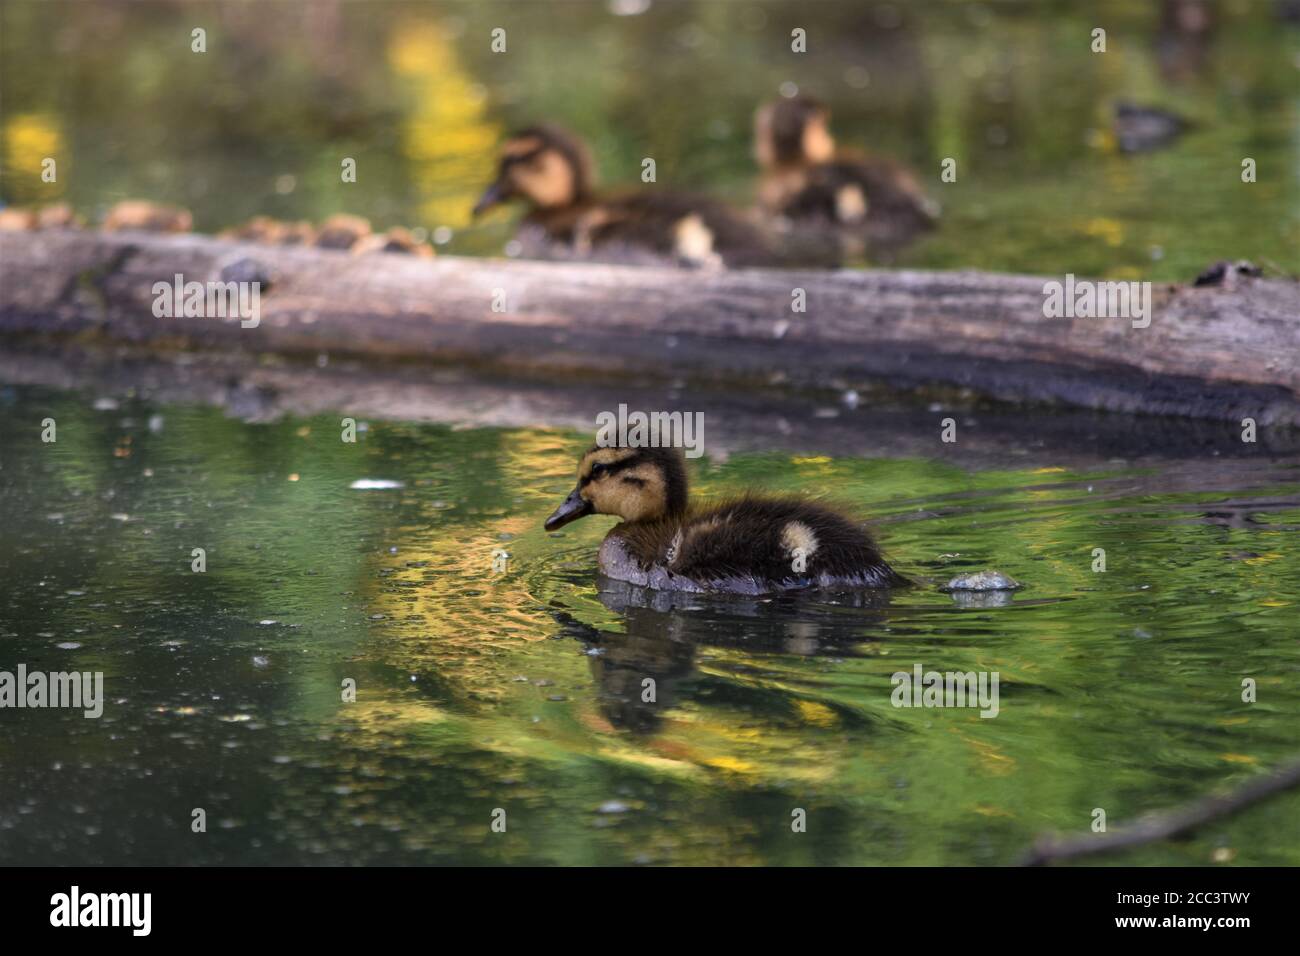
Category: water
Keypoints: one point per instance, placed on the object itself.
(521, 691)
(261, 123)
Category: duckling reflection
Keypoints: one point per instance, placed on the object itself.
(644, 672)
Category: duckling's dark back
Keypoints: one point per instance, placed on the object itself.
(660, 221)
(756, 535)
(889, 190)
(748, 545)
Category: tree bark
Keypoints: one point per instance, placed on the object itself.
(1211, 352)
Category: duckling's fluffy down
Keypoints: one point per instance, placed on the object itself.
(751, 545)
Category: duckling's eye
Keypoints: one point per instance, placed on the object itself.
(598, 469)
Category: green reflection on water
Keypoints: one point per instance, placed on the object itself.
(412, 92)
(522, 690)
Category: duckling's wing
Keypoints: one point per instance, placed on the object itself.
(782, 541)
(687, 227)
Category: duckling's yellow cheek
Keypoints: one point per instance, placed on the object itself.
(548, 181)
(612, 497)
(818, 146)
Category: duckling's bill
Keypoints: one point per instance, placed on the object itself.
(574, 507)
(494, 195)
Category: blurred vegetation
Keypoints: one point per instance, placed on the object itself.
(260, 123)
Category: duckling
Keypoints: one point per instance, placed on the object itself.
(342, 231)
(552, 171)
(814, 188)
(272, 232)
(17, 220)
(398, 239)
(752, 545)
(146, 216)
(58, 216)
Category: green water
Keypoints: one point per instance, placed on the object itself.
(261, 123)
(521, 690)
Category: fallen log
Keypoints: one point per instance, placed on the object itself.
(1215, 352)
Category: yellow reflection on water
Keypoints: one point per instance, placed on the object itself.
(30, 139)
(446, 133)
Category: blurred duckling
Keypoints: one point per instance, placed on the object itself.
(54, 216)
(272, 232)
(397, 239)
(141, 215)
(752, 545)
(342, 231)
(58, 215)
(851, 200)
(17, 220)
(551, 170)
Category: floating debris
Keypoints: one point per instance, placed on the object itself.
(375, 484)
(1140, 129)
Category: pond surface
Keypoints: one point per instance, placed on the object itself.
(520, 690)
(261, 122)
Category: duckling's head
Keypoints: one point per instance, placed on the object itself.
(792, 131)
(544, 165)
(636, 484)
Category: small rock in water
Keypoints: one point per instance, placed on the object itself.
(980, 599)
(983, 581)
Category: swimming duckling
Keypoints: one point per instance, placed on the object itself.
(552, 170)
(751, 545)
(814, 187)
